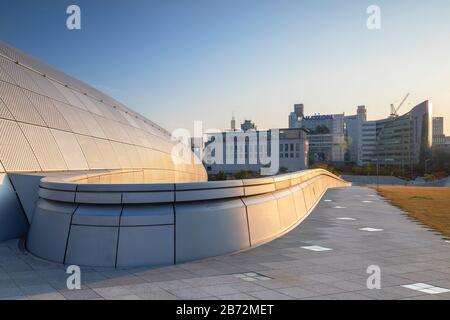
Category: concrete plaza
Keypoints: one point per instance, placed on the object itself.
(326, 257)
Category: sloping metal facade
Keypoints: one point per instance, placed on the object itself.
(50, 121)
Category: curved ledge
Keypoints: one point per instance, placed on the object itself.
(159, 224)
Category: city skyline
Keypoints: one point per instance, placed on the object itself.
(203, 61)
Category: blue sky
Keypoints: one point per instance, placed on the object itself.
(178, 61)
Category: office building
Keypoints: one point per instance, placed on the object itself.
(245, 150)
(439, 137)
(403, 140)
(353, 127)
(326, 135)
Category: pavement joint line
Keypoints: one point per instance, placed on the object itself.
(252, 276)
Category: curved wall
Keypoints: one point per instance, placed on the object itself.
(150, 225)
(52, 122)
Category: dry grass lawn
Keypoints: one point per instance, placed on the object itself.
(431, 206)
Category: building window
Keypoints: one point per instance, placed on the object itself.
(297, 155)
(292, 155)
(292, 147)
(286, 155)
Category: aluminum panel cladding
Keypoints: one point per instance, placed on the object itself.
(112, 129)
(91, 124)
(9, 52)
(72, 117)
(68, 95)
(4, 112)
(15, 152)
(105, 110)
(3, 74)
(91, 152)
(133, 155)
(122, 156)
(120, 115)
(88, 103)
(143, 155)
(19, 105)
(46, 87)
(70, 150)
(140, 137)
(131, 119)
(44, 147)
(44, 105)
(107, 152)
(20, 75)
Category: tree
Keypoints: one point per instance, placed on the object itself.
(283, 170)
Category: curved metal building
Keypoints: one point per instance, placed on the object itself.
(84, 180)
(50, 121)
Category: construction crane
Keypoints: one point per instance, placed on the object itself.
(394, 110)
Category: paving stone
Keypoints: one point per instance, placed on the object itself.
(406, 252)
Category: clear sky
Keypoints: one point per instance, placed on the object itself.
(176, 61)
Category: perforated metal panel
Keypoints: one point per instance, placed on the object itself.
(20, 75)
(69, 95)
(9, 52)
(91, 152)
(4, 112)
(44, 147)
(121, 153)
(109, 135)
(88, 103)
(105, 110)
(4, 75)
(47, 110)
(15, 152)
(138, 137)
(19, 105)
(70, 150)
(133, 156)
(91, 124)
(111, 128)
(119, 115)
(107, 152)
(131, 120)
(72, 117)
(46, 87)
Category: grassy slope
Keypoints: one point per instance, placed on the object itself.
(431, 206)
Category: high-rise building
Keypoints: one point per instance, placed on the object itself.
(438, 131)
(299, 110)
(353, 126)
(326, 134)
(233, 124)
(403, 140)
